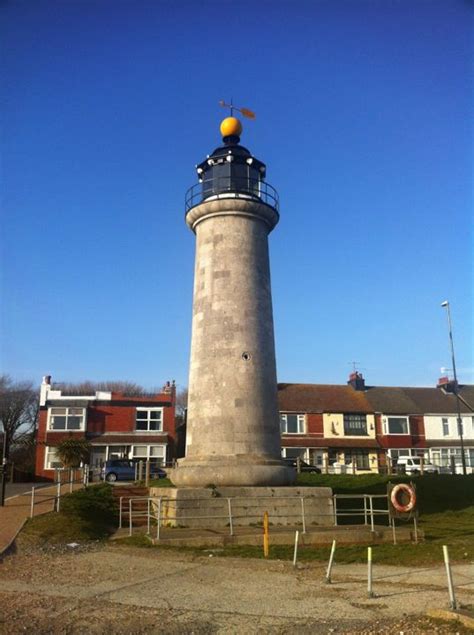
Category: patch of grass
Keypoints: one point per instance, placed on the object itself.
(88, 514)
(435, 492)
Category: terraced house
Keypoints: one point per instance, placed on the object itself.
(116, 425)
(366, 428)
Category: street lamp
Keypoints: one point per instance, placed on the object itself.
(445, 304)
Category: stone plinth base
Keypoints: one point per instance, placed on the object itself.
(219, 507)
(228, 471)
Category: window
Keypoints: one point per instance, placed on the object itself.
(155, 453)
(445, 423)
(149, 419)
(355, 425)
(51, 460)
(294, 453)
(360, 457)
(396, 425)
(292, 424)
(66, 419)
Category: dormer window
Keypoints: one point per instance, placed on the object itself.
(149, 419)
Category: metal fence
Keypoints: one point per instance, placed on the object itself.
(295, 510)
(44, 499)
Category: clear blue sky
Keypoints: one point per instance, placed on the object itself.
(363, 119)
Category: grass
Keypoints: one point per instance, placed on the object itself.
(161, 482)
(88, 514)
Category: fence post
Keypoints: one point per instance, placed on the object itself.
(231, 525)
(331, 558)
(353, 467)
(58, 495)
(148, 516)
(453, 465)
(422, 465)
(371, 507)
(326, 464)
(393, 532)
(129, 516)
(120, 512)
(334, 504)
(298, 465)
(365, 509)
(147, 473)
(452, 598)
(303, 515)
(158, 524)
(415, 528)
(388, 461)
(140, 470)
(71, 473)
(32, 502)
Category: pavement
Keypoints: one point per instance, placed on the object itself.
(17, 508)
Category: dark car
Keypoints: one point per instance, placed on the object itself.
(125, 470)
(304, 467)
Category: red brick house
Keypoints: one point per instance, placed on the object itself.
(115, 424)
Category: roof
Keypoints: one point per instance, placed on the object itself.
(321, 398)
(318, 398)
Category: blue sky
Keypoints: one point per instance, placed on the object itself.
(363, 119)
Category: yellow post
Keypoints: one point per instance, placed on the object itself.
(265, 535)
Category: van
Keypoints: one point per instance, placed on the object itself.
(412, 465)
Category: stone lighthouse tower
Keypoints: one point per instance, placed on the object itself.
(233, 431)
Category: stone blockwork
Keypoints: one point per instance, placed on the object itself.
(211, 508)
(233, 434)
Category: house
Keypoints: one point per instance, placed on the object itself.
(370, 426)
(117, 425)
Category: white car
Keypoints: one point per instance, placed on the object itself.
(412, 465)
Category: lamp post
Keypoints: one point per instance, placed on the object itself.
(445, 304)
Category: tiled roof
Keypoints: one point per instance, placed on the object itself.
(386, 399)
(321, 398)
(397, 400)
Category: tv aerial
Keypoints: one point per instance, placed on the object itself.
(243, 111)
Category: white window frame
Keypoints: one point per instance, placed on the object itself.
(51, 415)
(446, 431)
(51, 449)
(161, 460)
(304, 453)
(301, 422)
(149, 410)
(386, 429)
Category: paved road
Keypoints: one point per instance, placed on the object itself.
(13, 489)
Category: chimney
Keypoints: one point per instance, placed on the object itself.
(446, 384)
(357, 381)
(44, 389)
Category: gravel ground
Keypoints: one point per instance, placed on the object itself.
(96, 588)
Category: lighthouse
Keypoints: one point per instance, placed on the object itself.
(233, 430)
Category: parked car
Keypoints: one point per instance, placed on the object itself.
(304, 467)
(125, 470)
(412, 465)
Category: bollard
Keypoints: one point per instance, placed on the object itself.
(370, 593)
(295, 553)
(452, 598)
(266, 540)
(231, 524)
(32, 506)
(331, 559)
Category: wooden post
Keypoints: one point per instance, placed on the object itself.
(147, 473)
(326, 463)
(353, 466)
(266, 538)
(140, 470)
(422, 465)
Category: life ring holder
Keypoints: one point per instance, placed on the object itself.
(405, 489)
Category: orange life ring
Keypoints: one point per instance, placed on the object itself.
(406, 489)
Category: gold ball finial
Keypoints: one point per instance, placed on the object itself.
(231, 127)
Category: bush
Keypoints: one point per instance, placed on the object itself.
(94, 504)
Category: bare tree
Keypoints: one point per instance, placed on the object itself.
(18, 412)
(181, 405)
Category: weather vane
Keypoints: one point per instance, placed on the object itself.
(243, 111)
